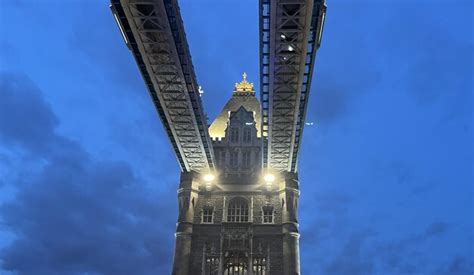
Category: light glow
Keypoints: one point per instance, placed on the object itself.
(200, 90)
(290, 48)
(209, 177)
(269, 178)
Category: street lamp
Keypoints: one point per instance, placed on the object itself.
(208, 179)
(269, 179)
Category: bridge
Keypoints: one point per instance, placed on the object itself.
(232, 219)
(290, 35)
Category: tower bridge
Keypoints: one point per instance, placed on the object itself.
(239, 189)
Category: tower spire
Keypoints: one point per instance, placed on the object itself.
(244, 85)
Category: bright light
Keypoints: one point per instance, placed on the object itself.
(290, 48)
(121, 29)
(209, 177)
(321, 29)
(269, 178)
(200, 90)
(282, 36)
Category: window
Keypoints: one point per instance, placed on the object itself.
(222, 158)
(212, 265)
(246, 158)
(259, 265)
(267, 212)
(234, 158)
(207, 216)
(247, 135)
(238, 210)
(235, 263)
(234, 134)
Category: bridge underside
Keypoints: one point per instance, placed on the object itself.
(290, 34)
(154, 32)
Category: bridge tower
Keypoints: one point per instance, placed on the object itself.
(242, 219)
(238, 191)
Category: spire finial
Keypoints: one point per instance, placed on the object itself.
(244, 85)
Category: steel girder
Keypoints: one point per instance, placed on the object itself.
(290, 34)
(154, 32)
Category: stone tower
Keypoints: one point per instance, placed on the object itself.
(240, 219)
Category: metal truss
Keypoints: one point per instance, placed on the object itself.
(290, 34)
(154, 32)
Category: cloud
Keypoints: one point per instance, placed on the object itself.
(352, 258)
(458, 266)
(25, 118)
(403, 255)
(86, 217)
(364, 251)
(78, 215)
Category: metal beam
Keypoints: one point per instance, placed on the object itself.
(154, 32)
(290, 34)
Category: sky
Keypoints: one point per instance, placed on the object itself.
(88, 178)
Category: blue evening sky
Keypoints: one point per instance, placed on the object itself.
(88, 178)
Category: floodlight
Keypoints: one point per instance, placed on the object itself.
(269, 178)
(209, 177)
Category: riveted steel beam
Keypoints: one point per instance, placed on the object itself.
(154, 32)
(290, 34)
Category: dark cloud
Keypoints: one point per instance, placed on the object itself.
(25, 118)
(344, 247)
(352, 259)
(458, 266)
(325, 213)
(364, 252)
(78, 215)
(87, 217)
(403, 255)
(436, 228)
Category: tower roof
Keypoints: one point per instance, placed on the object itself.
(243, 96)
(244, 85)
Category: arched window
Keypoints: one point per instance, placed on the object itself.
(238, 210)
